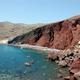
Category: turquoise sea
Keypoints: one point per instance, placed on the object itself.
(12, 65)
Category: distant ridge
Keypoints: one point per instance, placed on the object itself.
(75, 17)
(8, 29)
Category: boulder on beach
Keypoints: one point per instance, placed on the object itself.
(77, 75)
(70, 78)
(53, 56)
(75, 66)
(67, 78)
(62, 63)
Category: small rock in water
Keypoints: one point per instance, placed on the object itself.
(60, 75)
(27, 64)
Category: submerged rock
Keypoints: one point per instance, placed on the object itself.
(29, 63)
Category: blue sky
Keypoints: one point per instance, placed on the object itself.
(38, 11)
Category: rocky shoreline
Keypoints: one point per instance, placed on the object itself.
(68, 58)
(64, 58)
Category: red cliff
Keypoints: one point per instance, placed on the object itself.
(61, 35)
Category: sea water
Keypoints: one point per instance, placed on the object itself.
(12, 65)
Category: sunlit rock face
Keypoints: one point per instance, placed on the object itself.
(61, 35)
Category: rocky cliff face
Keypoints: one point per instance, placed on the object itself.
(61, 35)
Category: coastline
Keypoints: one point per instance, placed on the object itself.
(35, 47)
(53, 52)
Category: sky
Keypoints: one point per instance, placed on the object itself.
(38, 11)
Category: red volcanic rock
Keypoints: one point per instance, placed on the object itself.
(74, 71)
(43, 41)
(64, 38)
(60, 35)
(75, 66)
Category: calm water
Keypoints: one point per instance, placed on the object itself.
(12, 66)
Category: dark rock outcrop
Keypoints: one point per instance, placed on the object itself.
(61, 35)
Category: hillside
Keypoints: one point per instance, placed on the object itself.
(61, 35)
(8, 29)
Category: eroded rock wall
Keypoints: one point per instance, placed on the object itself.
(61, 35)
